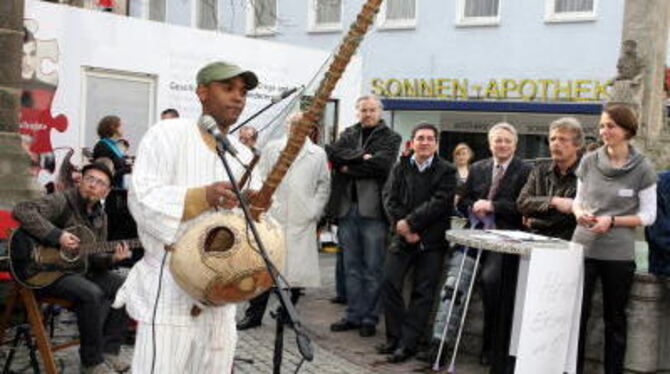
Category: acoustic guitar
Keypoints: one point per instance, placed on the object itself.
(35, 265)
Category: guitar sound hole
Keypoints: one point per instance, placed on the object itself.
(219, 239)
(69, 255)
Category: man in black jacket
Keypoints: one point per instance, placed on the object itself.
(418, 198)
(362, 158)
(491, 190)
(546, 199)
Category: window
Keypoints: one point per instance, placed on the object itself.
(325, 15)
(157, 10)
(478, 12)
(131, 96)
(398, 14)
(570, 10)
(207, 14)
(262, 17)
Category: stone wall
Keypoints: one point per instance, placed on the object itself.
(646, 22)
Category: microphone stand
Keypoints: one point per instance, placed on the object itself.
(287, 311)
(266, 107)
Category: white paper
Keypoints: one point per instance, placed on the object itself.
(519, 302)
(550, 313)
(571, 358)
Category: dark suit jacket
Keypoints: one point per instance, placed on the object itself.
(367, 176)
(507, 217)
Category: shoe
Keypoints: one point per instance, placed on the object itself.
(248, 323)
(427, 355)
(100, 368)
(401, 354)
(339, 300)
(387, 348)
(344, 325)
(367, 331)
(430, 354)
(485, 358)
(117, 363)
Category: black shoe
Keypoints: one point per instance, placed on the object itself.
(248, 323)
(339, 300)
(343, 325)
(428, 355)
(387, 348)
(485, 358)
(367, 331)
(401, 354)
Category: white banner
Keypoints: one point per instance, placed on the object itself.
(548, 310)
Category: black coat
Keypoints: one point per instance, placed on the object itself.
(368, 176)
(507, 216)
(430, 218)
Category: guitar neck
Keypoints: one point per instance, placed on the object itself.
(109, 246)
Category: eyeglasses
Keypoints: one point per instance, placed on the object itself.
(95, 181)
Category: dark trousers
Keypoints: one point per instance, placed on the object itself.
(364, 242)
(617, 280)
(258, 304)
(101, 327)
(404, 325)
(498, 279)
(340, 278)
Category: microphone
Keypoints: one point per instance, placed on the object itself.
(279, 97)
(208, 123)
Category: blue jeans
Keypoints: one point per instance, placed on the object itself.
(364, 243)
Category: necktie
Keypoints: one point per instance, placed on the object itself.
(497, 177)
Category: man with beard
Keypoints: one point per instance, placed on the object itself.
(546, 199)
(100, 328)
(178, 177)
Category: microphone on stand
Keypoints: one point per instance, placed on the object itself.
(208, 123)
(277, 98)
(273, 100)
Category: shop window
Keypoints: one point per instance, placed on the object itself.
(325, 15)
(398, 14)
(478, 12)
(262, 17)
(570, 10)
(207, 14)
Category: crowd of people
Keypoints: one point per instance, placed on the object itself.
(391, 209)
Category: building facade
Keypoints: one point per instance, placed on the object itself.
(462, 65)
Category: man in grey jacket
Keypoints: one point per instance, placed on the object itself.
(362, 158)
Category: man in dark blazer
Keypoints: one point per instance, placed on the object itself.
(362, 158)
(418, 198)
(491, 191)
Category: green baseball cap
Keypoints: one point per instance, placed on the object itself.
(222, 70)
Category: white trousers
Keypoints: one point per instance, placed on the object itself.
(180, 350)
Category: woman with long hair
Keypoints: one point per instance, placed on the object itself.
(616, 192)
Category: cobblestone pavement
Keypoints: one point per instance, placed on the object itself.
(344, 352)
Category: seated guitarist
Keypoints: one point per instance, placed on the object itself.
(101, 328)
